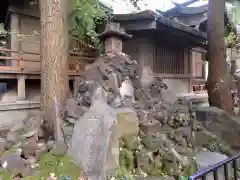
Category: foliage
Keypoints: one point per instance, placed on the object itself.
(122, 173)
(2, 39)
(232, 39)
(60, 166)
(85, 17)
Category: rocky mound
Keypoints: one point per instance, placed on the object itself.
(158, 135)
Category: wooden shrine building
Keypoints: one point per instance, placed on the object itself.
(170, 48)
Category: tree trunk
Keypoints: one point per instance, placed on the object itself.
(54, 65)
(218, 84)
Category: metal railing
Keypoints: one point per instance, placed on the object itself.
(214, 169)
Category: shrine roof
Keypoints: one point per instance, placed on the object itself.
(148, 19)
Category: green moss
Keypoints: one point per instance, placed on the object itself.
(150, 142)
(23, 130)
(5, 175)
(123, 173)
(49, 163)
(59, 165)
(190, 169)
(126, 159)
(131, 142)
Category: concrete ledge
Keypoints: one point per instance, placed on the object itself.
(18, 105)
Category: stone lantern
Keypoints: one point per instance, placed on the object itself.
(113, 37)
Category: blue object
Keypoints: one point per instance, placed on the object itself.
(3, 87)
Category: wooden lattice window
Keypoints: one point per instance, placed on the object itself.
(169, 58)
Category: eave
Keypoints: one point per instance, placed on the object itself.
(149, 20)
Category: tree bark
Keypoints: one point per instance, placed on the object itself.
(218, 84)
(54, 65)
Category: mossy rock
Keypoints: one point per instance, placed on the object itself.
(131, 142)
(158, 162)
(190, 169)
(59, 165)
(144, 160)
(127, 118)
(168, 168)
(151, 142)
(126, 159)
(122, 173)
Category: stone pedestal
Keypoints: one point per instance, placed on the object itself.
(21, 88)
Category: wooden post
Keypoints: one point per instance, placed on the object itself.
(15, 42)
(75, 85)
(190, 57)
(21, 88)
(186, 61)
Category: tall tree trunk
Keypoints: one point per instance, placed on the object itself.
(54, 65)
(218, 77)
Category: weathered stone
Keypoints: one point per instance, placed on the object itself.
(30, 148)
(151, 142)
(169, 168)
(96, 131)
(59, 148)
(2, 145)
(31, 133)
(11, 137)
(50, 144)
(126, 159)
(4, 132)
(127, 117)
(67, 130)
(143, 160)
(201, 139)
(205, 159)
(151, 127)
(15, 163)
(221, 124)
(41, 145)
(131, 142)
(29, 151)
(31, 160)
(28, 171)
(40, 132)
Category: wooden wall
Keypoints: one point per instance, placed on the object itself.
(168, 60)
(198, 63)
(24, 20)
(162, 56)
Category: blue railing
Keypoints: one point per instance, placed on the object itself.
(214, 169)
